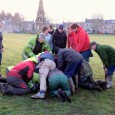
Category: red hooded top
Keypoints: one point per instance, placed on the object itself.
(81, 40)
(23, 70)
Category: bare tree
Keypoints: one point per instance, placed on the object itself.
(9, 16)
(96, 23)
(2, 15)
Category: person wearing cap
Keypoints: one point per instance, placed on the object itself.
(81, 41)
(35, 46)
(59, 37)
(107, 55)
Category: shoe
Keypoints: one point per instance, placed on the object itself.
(38, 96)
(60, 95)
(66, 97)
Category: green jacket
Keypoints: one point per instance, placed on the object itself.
(28, 49)
(107, 54)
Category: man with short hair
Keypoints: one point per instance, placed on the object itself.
(107, 55)
(81, 41)
(35, 46)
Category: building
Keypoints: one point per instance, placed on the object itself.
(40, 19)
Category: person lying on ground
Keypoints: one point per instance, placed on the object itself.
(86, 80)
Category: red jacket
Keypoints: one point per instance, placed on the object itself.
(23, 70)
(81, 40)
(70, 40)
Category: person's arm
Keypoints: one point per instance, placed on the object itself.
(30, 72)
(60, 61)
(65, 40)
(53, 38)
(29, 49)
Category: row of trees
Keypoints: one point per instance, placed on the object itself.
(16, 18)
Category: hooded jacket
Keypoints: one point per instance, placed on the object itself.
(81, 41)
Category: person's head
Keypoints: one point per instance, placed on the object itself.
(45, 30)
(51, 28)
(93, 45)
(41, 38)
(69, 30)
(74, 27)
(56, 50)
(60, 28)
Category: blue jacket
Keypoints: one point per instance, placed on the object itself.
(46, 55)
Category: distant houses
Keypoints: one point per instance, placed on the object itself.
(99, 26)
(23, 27)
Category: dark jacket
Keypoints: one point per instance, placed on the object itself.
(107, 54)
(1, 38)
(66, 56)
(59, 39)
(22, 70)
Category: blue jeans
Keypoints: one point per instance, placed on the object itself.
(110, 70)
(86, 54)
(72, 68)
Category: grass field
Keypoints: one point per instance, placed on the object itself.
(84, 103)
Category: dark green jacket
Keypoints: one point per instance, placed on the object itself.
(107, 54)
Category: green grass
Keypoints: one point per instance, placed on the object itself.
(84, 103)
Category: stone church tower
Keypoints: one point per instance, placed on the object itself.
(40, 19)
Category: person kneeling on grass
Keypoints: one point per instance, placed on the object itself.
(58, 85)
(46, 63)
(86, 79)
(17, 78)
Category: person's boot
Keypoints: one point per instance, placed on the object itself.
(72, 86)
(109, 81)
(66, 97)
(60, 95)
(76, 82)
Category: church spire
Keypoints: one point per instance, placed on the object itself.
(40, 19)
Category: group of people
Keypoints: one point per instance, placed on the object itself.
(58, 62)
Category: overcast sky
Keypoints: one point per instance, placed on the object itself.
(59, 10)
